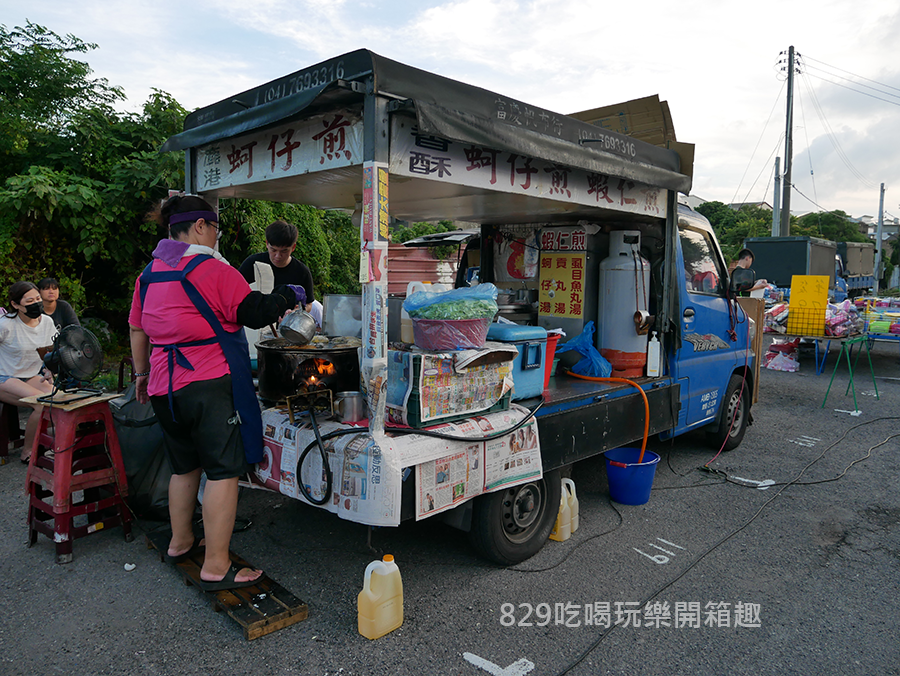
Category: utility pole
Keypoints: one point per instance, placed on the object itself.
(879, 241)
(776, 200)
(788, 148)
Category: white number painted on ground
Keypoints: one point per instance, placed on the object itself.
(804, 440)
(518, 668)
(659, 558)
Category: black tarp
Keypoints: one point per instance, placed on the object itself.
(445, 108)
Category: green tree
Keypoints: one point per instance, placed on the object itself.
(78, 177)
(403, 233)
(343, 238)
(41, 89)
(244, 224)
(733, 227)
(833, 225)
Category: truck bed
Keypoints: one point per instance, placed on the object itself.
(581, 418)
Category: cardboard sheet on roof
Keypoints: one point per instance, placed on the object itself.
(647, 119)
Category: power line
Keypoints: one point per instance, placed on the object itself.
(853, 74)
(860, 84)
(833, 137)
(758, 141)
(811, 201)
(808, 148)
(838, 84)
(768, 163)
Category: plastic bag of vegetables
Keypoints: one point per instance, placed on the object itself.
(452, 320)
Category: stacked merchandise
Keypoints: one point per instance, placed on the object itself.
(782, 355)
(882, 315)
(776, 319)
(842, 320)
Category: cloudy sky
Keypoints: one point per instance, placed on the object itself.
(715, 62)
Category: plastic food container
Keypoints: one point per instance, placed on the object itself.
(438, 335)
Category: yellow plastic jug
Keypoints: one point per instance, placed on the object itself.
(568, 488)
(562, 529)
(380, 603)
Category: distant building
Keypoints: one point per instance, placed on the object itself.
(890, 228)
(691, 200)
(737, 206)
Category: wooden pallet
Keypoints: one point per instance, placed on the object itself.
(261, 609)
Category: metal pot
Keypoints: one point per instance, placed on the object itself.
(286, 369)
(350, 406)
(298, 326)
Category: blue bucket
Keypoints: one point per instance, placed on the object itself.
(630, 481)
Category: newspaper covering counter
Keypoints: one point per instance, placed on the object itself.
(367, 478)
(429, 387)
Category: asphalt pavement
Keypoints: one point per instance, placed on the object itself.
(713, 575)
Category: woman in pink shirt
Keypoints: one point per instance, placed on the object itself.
(190, 306)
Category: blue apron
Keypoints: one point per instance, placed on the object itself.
(234, 346)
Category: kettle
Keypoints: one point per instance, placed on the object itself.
(298, 326)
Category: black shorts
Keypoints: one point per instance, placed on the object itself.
(201, 436)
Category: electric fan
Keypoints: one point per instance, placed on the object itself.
(76, 358)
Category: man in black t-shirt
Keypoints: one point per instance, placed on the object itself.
(745, 260)
(59, 310)
(281, 240)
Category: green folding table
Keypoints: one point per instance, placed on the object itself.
(846, 348)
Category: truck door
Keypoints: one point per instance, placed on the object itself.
(706, 358)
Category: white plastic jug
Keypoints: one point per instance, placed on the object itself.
(653, 357)
(406, 326)
(562, 529)
(568, 487)
(380, 603)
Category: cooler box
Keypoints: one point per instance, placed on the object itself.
(528, 367)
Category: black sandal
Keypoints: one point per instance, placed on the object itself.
(181, 558)
(228, 582)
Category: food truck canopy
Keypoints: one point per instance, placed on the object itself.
(438, 107)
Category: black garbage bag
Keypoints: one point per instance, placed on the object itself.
(146, 465)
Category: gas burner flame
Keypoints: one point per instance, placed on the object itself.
(316, 371)
(324, 367)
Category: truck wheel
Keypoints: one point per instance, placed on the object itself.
(736, 404)
(512, 525)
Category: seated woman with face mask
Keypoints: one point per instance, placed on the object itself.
(26, 334)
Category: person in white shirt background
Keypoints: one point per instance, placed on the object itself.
(26, 334)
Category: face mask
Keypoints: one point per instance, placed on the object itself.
(34, 310)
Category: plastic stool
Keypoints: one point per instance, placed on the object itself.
(85, 458)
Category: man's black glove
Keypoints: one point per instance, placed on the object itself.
(286, 292)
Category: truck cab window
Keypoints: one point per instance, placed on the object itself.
(703, 272)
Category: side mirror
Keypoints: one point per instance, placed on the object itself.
(742, 279)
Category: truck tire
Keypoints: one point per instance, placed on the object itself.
(738, 400)
(511, 525)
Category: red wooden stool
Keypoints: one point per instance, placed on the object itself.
(85, 457)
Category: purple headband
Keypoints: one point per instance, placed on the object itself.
(193, 216)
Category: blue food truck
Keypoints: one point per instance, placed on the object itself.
(576, 225)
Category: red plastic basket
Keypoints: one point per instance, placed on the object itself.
(438, 335)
